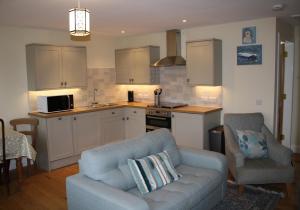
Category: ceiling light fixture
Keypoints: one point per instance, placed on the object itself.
(278, 7)
(79, 21)
(184, 20)
(123, 31)
(295, 16)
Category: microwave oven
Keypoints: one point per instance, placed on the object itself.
(58, 103)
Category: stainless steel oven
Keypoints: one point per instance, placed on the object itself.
(156, 119)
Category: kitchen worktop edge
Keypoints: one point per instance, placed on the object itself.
(79, 110)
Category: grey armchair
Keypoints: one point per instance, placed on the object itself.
(277, 168)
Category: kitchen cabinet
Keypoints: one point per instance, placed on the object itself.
(133, 66)
(135, 123)
(86, 133)
(74, 67)
(54, 67)
(204, 62)
(191, 130)
(112, 125)
(60, 137)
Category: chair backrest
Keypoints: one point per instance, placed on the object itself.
(244, 121)
(26, 121)
(3, 142)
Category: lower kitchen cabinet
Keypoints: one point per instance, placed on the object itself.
(135, 124)
(191, 130)
(60, 138)
(112, 125)
(86, 133)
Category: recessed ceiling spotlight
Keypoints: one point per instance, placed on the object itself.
(123, 32)
(184, 20)
(278, 7)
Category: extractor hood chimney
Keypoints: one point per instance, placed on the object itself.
(174, 57)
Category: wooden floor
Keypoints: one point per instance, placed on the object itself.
(46, 191)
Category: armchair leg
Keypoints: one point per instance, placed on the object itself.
(289, 189)
(241, 189)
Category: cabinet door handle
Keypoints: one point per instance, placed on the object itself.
(59, 118)
(173, 116)
(62, 84)
(187, 80)
(123, 118)
(134, 112)
(113, 113)
(127, 118)
(75, 118)
(65, 83)
(132, 79)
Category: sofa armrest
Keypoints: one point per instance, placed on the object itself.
(233, 151)
(204, 158)
(85, 193)
(277, 152)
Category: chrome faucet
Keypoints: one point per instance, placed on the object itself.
(94, 103)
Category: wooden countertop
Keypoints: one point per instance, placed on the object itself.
(79, 110)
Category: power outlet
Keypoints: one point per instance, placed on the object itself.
(259, 102)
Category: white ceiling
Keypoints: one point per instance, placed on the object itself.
(109, 17)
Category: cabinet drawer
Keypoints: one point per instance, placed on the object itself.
(131, 112)
(111, 112)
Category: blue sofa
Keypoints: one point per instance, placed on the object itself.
(105, 181)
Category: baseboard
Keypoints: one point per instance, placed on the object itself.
(296, 148)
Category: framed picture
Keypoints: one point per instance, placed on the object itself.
(249, 35)
(249, 54)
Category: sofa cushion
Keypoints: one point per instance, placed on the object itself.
(108, 163)
(152, 172)
(252, 144)
(194, 185)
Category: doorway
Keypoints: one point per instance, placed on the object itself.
(285, 93)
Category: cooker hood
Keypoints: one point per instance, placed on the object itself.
(174, 57)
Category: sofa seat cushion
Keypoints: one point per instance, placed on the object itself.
(194, 185)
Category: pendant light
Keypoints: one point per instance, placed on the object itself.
(79, 21)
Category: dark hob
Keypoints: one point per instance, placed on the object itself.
(167, 105)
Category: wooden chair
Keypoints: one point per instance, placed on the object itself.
(3, 162)
(33, 123)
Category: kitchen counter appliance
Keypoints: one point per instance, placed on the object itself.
(156, 119)
(157, 116)
(58, 103)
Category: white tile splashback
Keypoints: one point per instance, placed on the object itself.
(173, 83)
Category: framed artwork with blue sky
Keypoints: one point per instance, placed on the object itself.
(249, 54)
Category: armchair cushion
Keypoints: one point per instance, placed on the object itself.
(252, 144)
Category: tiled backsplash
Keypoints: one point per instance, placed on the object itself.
(173, 83)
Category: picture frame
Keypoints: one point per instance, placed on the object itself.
(249, 35)
(249, 54)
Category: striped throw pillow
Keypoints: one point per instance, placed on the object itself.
(153, 172)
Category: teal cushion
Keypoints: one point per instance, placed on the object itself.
(252, 144)
(153, 172)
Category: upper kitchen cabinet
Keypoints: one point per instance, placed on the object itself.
(204, 62)
(53, 67)
(133, 66)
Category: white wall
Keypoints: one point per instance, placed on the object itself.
(13, 77)
(243, 86)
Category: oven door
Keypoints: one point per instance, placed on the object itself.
(155, 122)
